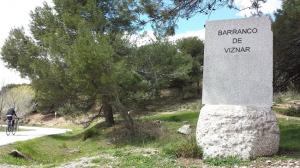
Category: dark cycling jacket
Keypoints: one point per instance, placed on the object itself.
(11, 112)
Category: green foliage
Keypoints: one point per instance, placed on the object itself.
(193, 47)
(159, 64)
(286, 46)
(21, 53)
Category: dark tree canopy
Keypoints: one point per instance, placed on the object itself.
(286, 29)
(194, 47)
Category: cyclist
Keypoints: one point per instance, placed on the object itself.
(10, 115)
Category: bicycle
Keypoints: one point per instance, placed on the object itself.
(12, 128)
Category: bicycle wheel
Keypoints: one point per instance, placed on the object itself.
(14, 129)
(7, 130)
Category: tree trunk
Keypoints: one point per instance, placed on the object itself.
(198, 88)
(107, 110)
(125, 114)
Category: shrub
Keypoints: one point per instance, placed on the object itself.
(89, 133)
(293, 111)
(143, 133)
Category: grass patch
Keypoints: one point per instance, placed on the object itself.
(176, 117)
(290, 137)
(186, 148)
(133, 157)
(136, 160)
(228, 161)
(49, 150)
(53, 150)
(98, 160)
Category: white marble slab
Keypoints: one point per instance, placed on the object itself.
(238, 62)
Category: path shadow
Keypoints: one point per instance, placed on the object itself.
(289, 153)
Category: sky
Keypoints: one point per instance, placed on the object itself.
(15, 13)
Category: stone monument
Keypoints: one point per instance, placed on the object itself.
(236, 119)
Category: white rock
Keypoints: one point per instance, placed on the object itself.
(241, 131)
(185, 129)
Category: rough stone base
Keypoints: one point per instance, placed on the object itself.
(240, 131)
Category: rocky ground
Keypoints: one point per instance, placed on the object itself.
(86, 162)
(277, 164)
